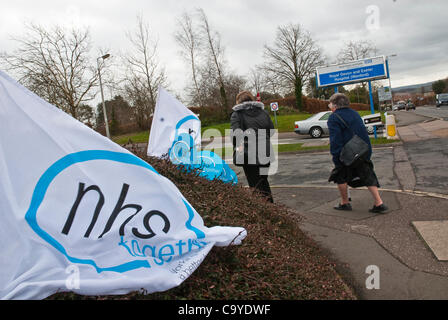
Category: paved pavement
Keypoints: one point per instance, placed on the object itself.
(407, 247)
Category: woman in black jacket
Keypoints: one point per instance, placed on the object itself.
(251, 126)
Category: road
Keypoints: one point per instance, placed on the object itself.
(277, 139)
(421, 114)
(427, 162)
(433, 112)
(313, 169)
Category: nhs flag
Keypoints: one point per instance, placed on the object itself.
(74, 203)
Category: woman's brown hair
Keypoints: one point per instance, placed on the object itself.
(244, 96)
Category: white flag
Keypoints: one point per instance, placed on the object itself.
(171, 119)
(80, 213)
(176, 132)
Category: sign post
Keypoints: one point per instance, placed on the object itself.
(274, 107)
(372, 108)
(385, 94)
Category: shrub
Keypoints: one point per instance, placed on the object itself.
(359, 106)
(120, 129)
(210, 115)
(312, 105)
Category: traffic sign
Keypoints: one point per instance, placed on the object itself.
(384, 94)
(274, 107)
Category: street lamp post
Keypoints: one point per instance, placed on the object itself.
(106, 123)
(390, 86)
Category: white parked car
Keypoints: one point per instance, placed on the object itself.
(316, 125)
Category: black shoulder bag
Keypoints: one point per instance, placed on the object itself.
(354, 149)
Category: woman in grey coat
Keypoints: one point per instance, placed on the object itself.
(252, 129)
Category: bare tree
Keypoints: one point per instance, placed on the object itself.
(144, 75)
(257, 79)
(356, 50)
(189, 40)
(136, 93)
(292, 58)
(212, 84)
(215, 51)
(55, 64)
(234, 84)
(86, 115)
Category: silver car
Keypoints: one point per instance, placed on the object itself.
(401, 105)
(316, 125)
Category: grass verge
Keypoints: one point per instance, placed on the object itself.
(285, 123)
(137, 137)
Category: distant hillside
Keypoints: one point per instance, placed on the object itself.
(415, 88)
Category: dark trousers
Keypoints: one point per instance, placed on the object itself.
(258, 181)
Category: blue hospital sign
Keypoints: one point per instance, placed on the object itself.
(355, 71)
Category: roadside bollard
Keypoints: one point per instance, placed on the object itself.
(391, 128)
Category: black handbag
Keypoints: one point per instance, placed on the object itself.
(354, 149)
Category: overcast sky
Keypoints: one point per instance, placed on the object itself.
(415, 30)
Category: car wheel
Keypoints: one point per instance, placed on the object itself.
(316, 132)
(370, 129)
